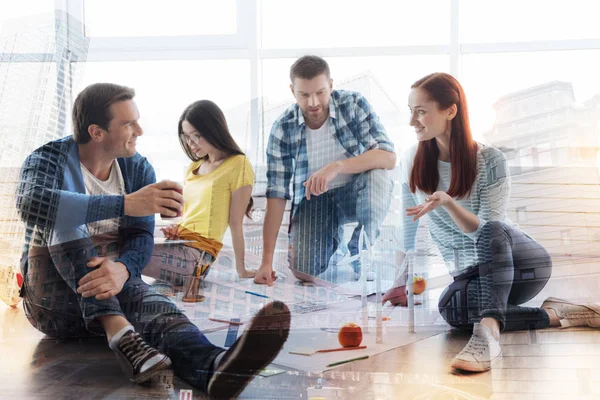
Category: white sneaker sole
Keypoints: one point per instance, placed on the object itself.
(471, 366)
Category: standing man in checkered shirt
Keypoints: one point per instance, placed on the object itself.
(333, 148)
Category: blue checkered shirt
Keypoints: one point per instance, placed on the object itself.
(357, 127)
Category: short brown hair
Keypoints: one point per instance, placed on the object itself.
(92, 107)
(307, 67)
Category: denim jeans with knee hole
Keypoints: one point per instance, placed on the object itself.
(518, 270)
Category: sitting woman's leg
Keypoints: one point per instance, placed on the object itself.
(486, 297)
(171, 262)
(519, 270)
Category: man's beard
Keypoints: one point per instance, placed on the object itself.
(317, 118)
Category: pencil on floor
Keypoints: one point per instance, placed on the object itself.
(226, 322)
(347, 361)
(310, 351)
(257, 294)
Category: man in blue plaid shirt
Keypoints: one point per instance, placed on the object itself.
(334, 150)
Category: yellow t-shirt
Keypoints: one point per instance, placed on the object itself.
(208, 197)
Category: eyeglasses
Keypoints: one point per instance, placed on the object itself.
(192, 139)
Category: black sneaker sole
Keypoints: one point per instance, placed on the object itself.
(252, 352)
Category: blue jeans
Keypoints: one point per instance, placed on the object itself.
(316, 228)
(518, 270)
(53, 306)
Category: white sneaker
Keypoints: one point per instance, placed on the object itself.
(481, 351)
(572, 314)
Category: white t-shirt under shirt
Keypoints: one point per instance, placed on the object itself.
(113, 186)
(323, 147)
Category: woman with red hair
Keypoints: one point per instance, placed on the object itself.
(463, 187)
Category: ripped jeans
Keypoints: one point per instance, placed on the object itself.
(518, 270)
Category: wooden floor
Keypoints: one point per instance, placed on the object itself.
(549, 364)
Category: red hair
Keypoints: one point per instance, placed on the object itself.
(446, 91)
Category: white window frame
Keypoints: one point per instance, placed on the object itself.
(244, 44)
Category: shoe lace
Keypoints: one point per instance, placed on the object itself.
(136, 350)
(476, 345)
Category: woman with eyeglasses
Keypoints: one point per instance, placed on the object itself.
(217, 194)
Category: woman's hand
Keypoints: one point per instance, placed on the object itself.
(171, 232)
(432, 202)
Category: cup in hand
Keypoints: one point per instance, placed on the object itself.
(180, 191)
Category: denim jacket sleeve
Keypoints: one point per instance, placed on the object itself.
(43, 201)
(137, 232)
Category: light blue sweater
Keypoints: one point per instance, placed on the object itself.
(488, 200)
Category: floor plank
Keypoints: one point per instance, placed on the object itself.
(562, 363)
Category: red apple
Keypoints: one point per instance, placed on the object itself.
(350, 335)
(419, 285)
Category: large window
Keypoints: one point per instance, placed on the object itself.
(488, 77)
(351, 23)
(113, 18)
(531, 20)
(26, 26)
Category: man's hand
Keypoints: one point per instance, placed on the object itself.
(104, 282)
(171, 232)
(265, 275)
(162, 197)
(318, 182)
(432, 202)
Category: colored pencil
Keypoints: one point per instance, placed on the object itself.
(347, 361)
(341, 349)
(310, 352)
(226, 322)
(257, 294)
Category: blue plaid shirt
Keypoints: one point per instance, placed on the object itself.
(357, 127)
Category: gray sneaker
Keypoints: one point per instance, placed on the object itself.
(571, 314)
(138, 359)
